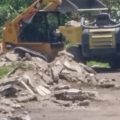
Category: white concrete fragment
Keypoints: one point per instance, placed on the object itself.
(42, 90)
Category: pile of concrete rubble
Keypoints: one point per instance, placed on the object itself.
(61, 81)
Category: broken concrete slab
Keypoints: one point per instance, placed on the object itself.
(70, 94)
(6, 109)
(88, 69)
(10, 103)
(56, 70)
(71, 76)
(74, 95)
(19, 117)
(84, 103)
(62, 87)
(42, 91)
(47, 79)
(62, 103)
(107, 85)
(2, 64)
(40, 63)
(28, 98)
(8, 90)
(26, 86)
(10, 56)
(69, 66)
(65, 53)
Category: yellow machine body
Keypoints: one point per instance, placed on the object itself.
(11, 29)
(72, 33)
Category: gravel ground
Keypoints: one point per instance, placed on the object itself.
(106, 109)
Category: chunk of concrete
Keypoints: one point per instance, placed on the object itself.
(42, 90)
(27, 98)
(8, 90)
(11, 56)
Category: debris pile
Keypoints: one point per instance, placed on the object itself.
(62, 80)
(64, 68)
(75, 97)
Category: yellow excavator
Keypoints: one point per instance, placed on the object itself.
(33, 30)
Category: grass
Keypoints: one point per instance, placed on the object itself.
(98, 64)
(5, 70)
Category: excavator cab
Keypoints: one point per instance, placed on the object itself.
(42, 28)
(103, 19)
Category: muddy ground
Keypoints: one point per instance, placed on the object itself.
(108, 108)
(90, 94)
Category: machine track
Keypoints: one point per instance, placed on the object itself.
(22, 51)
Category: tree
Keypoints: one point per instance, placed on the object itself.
(11, 8)
(114, 8)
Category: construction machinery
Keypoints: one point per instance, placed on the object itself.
(34, 30)
(98, 39)
(38, 29)
(101, 40)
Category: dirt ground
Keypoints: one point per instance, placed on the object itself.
(106, 109)
(92, 95)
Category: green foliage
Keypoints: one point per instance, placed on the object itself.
(98, 64)
(5, 70)
(114, 8)
(11, 8)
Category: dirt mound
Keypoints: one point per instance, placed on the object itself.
(33, 79)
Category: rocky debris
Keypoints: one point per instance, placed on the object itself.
(18, 117)
(56, 72)
(11, 56)
(84, 103)
(65, 68)
(62, 87)
(8, 106)
(107, 83)
(47, 79)
(10, 103)
(42, 90)
(74, 95)
(15, 118)
(61, 80)
(28, 98)
(8, 91)
(62, 103)
(6, 109)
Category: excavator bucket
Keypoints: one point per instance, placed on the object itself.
(81, 5)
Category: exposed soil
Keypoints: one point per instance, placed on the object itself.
(107, 109)
(61, 90)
